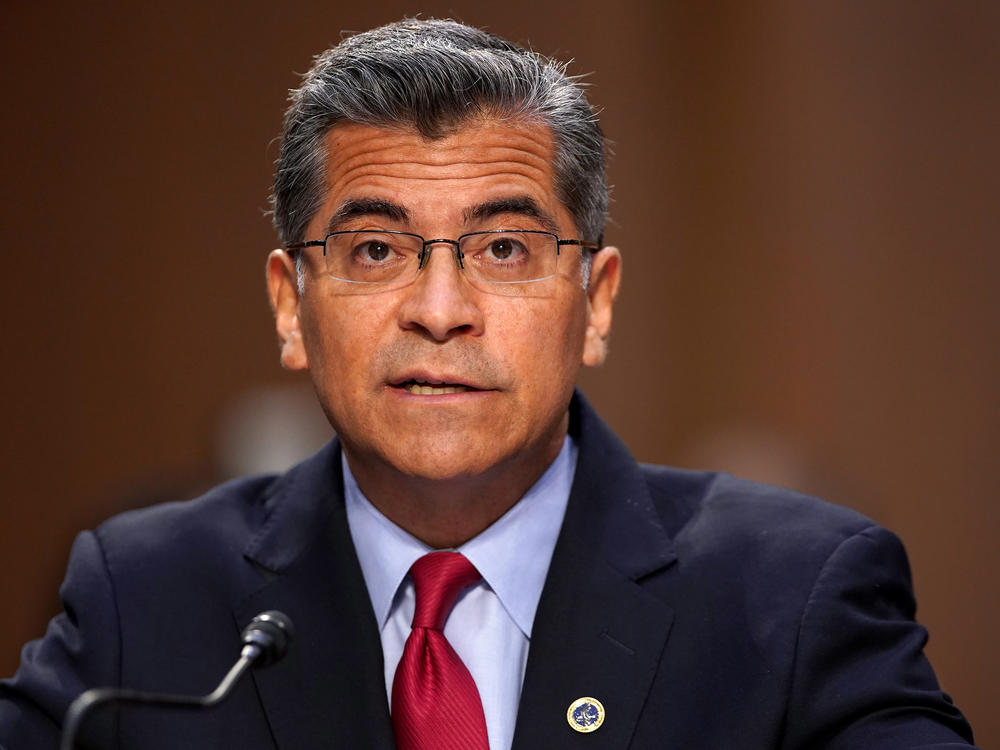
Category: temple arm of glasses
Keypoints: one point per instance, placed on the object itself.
(303, 245)
(592, 246)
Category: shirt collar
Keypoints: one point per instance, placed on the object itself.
(513, 554)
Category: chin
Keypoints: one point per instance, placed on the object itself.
(443, 465)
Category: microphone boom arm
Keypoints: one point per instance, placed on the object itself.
(265, 639)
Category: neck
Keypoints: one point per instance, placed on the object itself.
(446, 513)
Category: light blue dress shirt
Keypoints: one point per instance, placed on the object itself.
(490, 625)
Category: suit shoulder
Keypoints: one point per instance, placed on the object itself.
(269, 518)
(224, 517)
(717, 509)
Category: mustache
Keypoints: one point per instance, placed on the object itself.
(460, 360)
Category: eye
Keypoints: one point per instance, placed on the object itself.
(504, 249)
(373, 251)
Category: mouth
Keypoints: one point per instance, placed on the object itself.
(432, 388)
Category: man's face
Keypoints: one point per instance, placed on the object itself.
(509, 362)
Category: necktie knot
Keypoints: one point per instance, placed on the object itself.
(438, 579)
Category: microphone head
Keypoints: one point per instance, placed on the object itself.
(270, 633)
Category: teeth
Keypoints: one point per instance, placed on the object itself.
(433, 390)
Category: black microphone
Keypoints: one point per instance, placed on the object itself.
(265, 640)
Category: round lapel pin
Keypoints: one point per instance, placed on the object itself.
(585, 714)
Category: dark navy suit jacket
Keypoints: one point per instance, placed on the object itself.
(701, 610)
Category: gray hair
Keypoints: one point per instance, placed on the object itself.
(435, 76)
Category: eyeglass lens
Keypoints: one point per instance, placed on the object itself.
(496, 257)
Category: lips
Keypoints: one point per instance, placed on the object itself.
(427, 385)
(426, 389)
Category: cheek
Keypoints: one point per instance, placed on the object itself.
(545, 340)
(339, 338)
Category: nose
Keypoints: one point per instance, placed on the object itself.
(440, 301)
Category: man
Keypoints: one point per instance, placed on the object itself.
(440, 196)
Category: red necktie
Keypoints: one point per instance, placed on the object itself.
(435, 703)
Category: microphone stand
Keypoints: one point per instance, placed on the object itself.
(266, 639)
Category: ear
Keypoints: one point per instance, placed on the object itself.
(283, 289)
(605, 276)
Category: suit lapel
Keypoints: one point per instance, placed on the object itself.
(597, 632)
(329, 690)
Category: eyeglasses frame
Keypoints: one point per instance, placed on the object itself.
(456, 244)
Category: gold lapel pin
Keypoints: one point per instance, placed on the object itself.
(585, 714)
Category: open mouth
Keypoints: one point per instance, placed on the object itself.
(419, 388)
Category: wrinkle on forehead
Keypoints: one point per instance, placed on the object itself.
(478, 150)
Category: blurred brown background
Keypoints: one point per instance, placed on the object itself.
(806, 196)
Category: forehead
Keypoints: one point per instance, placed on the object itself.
(441, 177)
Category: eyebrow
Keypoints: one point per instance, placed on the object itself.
(522, 205)
(354, 208)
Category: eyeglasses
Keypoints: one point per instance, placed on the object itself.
(504, 259)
